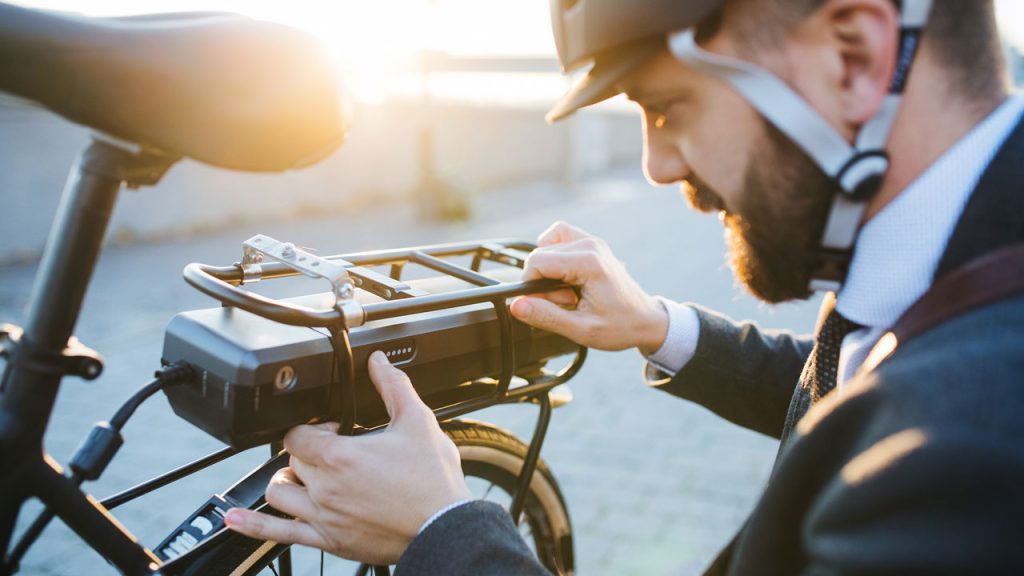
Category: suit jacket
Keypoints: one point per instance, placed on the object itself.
(917, 468)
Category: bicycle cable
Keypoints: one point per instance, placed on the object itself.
(99, 447)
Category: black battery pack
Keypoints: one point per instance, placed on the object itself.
(258, 378)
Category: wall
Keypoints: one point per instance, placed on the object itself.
(474, 148)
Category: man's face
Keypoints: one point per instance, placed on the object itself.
(771, 197)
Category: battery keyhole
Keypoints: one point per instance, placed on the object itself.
(285, 378)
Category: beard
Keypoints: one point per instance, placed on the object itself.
(774, 231)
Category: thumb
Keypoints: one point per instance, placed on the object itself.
(546, 315)
(393, 386)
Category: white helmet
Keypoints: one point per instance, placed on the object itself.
(617, 36)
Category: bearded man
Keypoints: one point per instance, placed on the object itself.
(867, 148)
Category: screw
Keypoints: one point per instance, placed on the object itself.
(288, 250)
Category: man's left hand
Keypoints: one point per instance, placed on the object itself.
(363, 498)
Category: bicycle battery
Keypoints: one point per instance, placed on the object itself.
(258, 378)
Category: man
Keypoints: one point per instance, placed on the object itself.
(784, 116)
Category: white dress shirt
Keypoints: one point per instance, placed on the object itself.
(897, 252)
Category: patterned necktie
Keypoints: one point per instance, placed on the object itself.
(823, 364)
(819, 374)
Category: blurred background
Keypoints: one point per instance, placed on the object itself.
(449, 144)
(450, 98)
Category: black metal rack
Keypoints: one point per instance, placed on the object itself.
(400, 299)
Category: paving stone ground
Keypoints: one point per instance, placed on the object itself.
(655, 485)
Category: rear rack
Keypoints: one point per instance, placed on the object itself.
(399, 298)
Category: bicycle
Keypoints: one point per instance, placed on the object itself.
(308, 366)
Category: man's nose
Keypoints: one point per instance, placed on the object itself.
(663, 162)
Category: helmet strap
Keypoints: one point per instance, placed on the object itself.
(857, 170)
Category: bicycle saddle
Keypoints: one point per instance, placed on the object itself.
(222, 89)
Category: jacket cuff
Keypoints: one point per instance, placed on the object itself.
(680, 340)
(475, 538)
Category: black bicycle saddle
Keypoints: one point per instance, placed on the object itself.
(222, 89)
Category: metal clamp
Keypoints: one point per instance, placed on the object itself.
(260, 246)
(76, 359)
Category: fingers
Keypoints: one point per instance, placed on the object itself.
(570, 267)
(394, 387)
(565, 297)
(290, 497)
(559, 233)
(305, 472)
(288, 474)
(549, 316)
(311, 443)
(265, 527)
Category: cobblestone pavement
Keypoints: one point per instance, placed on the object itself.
(655, 485)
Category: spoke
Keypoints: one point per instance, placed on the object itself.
(488, 491)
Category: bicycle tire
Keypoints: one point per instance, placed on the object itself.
(489, 453)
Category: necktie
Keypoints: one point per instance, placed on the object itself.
(819, 375)
(823, 364)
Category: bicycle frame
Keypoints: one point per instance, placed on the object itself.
(41, 355)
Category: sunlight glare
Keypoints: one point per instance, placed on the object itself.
(375, 43)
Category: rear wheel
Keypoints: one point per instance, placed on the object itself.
(491, 460)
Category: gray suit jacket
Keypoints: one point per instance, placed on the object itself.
(917, 469)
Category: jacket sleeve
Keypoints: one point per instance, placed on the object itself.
(473, 539)
(742, 373)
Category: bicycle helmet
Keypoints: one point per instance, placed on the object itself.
(617, 36)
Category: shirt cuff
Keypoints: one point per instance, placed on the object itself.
(681, 340)
(442, 512)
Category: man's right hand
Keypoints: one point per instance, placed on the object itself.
(612, 312)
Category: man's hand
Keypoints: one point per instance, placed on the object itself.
(362, 498)
(611, 313)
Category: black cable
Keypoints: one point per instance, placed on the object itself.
(175, 373)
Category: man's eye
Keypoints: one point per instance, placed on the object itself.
(660, 111)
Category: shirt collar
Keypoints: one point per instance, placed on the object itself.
(899, 249)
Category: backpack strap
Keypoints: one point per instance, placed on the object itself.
(987, 279)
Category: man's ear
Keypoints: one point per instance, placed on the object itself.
(865, 36)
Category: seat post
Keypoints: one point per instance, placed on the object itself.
(65, 270)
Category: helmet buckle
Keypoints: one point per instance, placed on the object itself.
(862, 175)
